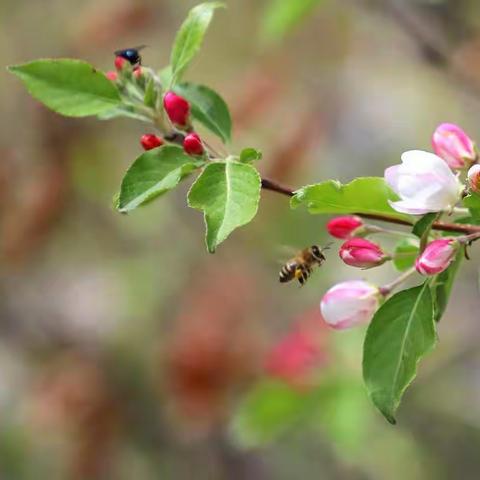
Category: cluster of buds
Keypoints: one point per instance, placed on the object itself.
(424, 182)
(176, 108)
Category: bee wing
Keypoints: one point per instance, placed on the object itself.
(283, 253)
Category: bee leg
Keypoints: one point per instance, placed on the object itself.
(302, 275)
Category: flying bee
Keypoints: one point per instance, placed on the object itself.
(132, 55)
(301, 265)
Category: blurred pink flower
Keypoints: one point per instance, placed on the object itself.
(453, 145)
(111, 75)
(424, 183)
(300, 352)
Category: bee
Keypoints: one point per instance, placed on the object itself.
(301, 265)
(132, 55)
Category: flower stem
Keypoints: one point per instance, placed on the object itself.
(389, 287)
(373, 229)
(469, 238)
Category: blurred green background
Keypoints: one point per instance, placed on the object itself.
(128, 352)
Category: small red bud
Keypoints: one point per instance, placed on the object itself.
(120, 63)
(362, 253)
(192, 144)
(344, 227)
(112, 75)
(177, 108)
(137, 72)
(150, 141)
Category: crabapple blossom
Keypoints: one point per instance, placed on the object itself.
(359, 252)
(150, 141)
(111, 75)
(437, 256)
(193, 144)
(474, 178)
(453, 145)
(349, 304)
(424, 183)
(344, 226)
(120, 63)
(177, 108)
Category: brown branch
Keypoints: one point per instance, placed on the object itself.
(268, 184)
(274, 186)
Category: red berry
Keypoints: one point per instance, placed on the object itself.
(192, 144)
(150, 141)
(120, 63)
(177, 108)
(112, 75)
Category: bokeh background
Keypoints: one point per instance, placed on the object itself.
(128, 352)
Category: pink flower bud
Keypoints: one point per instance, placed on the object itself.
(437, 256)
(137, 72)
(350, 304)
(177, 108)
(474, 178)
(120, 63)
(358, 252)
(150, 141)
(112, 75)
(452, 144)
(192, 144)
(344, 227)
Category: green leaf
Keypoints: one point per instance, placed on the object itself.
(69, 87)
(400, 334)
(153, 173)
(190, 36)
(406, 252)
(269, 410)
(363, 195)
(228, 193)
(165, 75)
(208, 108)
(249, 155)
(127, 111)
(151, 93)
(281, 16)
(472, 202)
(424, 224)
(442, 285)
